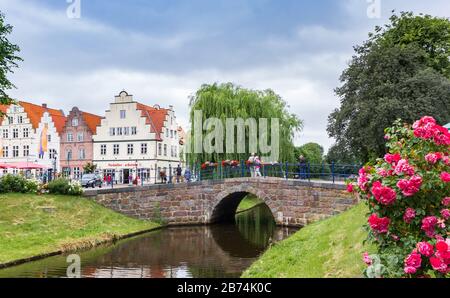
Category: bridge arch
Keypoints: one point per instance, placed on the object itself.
(227, 202)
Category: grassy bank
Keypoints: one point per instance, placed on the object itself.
(248, 202)
(32, 225)
(329, 248)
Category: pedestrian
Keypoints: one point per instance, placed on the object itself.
(302, 164)
(251, 161)
(257, 167)
(179, 172)
(187, 175)
(163, 176)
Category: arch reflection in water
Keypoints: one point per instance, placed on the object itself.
(224, 250)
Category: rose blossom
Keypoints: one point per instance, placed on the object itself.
(433, 158)
(383, 194)
(367, 259)
(410, 187)
(424, 128)
(446, 160)
(350, 188)
(446, 201)
(404, 167)
(392, 159)
(379, 225)
(428, 225)
(438, 264)
(445, 177)
(363, 179)
(409, 215)
(445, 213)
(413, 262)
(425, 248)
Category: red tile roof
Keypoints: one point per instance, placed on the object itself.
(35, 113)
(92, 121)
(3, 109)
(155, 118)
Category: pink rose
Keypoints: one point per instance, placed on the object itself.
(392, 159)
(414, 260)
(383, 194)
(446, 160)
(367, 259)
(433, 158)
(445, 213)
(350, 188)
(445, 177)
(410, 270)
(425, 248)
(379, 225)
(410, 187)
(446, 201)
(428, 225)
(438, 264)
(409, 215)
(404, 167)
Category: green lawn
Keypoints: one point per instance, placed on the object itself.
(329, 248)
(31, 225)
(248, 202)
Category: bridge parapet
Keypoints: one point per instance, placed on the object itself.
(292, 202)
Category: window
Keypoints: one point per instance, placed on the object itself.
(75, 122)
(103, 150)
(76, 173)
(159, 149)
(80, 137)
(15, 151)
(116, 149)
(69, 154)
(52, 154)
(10, 119)
(19, 119)
(171, 134)
(26, 150)
(171, 151)
(165, 150)
(26, 132)
(119, 131)
(15, 133)
(123, 114)
(167, 132)
(134, 130)
(69, 137)
(5, 133)
(49, 138)
(130, 149)
(5, 151)
(112, 131)
(82, 154)
(143, 148)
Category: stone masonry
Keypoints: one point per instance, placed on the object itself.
(292, 202)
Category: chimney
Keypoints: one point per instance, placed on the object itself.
(44, 105)
(171, 107)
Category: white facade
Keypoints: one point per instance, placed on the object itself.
(20, 142)
(131, 142)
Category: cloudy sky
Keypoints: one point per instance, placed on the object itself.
(162, 51)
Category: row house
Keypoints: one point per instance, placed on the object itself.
(30, 133)
(77, 143)
(135, 139)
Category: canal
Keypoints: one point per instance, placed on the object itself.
(221, 250)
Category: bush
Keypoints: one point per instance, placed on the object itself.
(408, 196)
(19, 184)
(63, 186)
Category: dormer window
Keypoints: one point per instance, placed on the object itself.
(75, 122)
(123, 114)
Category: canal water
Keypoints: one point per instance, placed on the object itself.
(222, 250)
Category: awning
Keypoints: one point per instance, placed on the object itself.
(23, 166)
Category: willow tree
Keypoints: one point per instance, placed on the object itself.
(8, 60)
(227, 101)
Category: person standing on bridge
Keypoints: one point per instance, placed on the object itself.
(302, 164)
(179, 172)
(187, 175)
(257, 167)
(251, 165)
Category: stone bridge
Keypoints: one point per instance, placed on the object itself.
(292, 202)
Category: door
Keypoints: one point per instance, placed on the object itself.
(126, 176)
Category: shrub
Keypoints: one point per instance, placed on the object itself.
(19, 184)
(62, 186)
(408, 193)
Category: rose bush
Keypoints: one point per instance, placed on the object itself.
(407, 192)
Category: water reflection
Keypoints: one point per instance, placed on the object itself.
(201, 251)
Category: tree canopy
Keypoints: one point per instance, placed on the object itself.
(224, 101)
(313, 153)
(8, 59)
(401, 71)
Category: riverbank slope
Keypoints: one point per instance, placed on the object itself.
(329, 248)
(32, 225)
